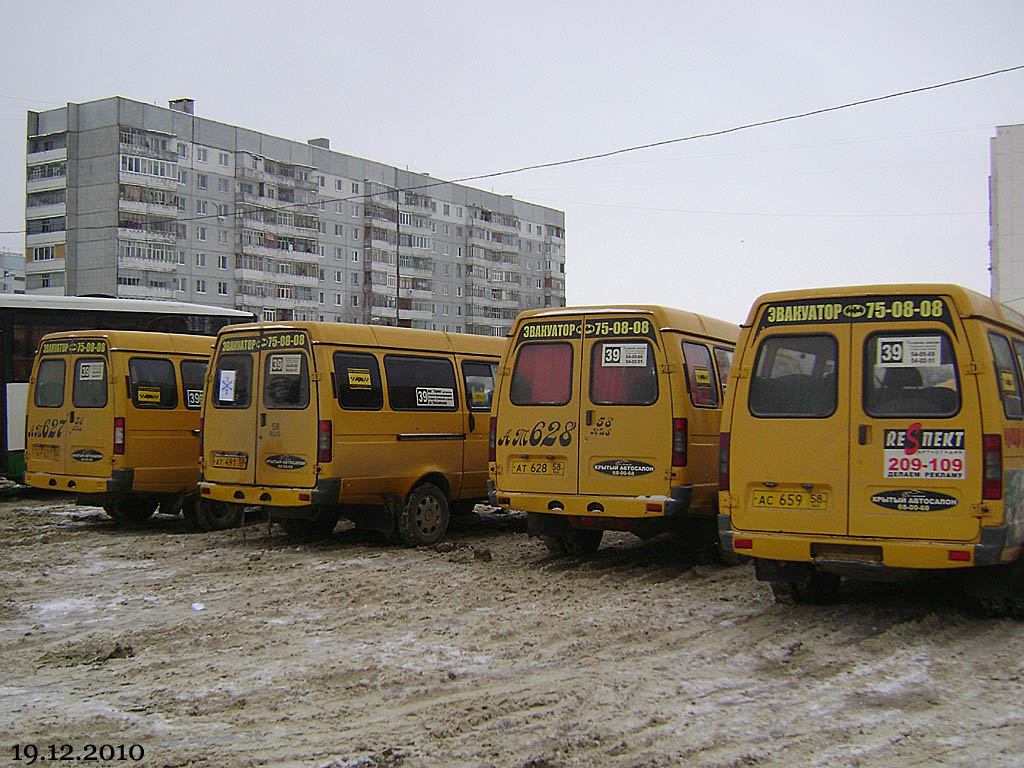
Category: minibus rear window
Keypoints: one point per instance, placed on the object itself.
(795, 377)
(89, 389)
(910, 374)
(50, 384)
(1007, 377)
(623, 373)
(357, 377)
(723, 359)
(286, 380)
(192, 374)
(153, 382)
(542, 374)
(232, 381)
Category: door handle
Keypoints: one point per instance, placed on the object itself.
(71, 417)
(472, 423)
(590, 418)
(864, 434)
(263, 419)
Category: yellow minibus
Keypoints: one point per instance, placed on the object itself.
(873, 432)
(607, 418)
(311, 421)
(113, 417)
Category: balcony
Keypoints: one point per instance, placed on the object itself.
(45, 238)
(143, 148)
(414, 314)
(280, 180)
(47, 211)
(145, 180)
(146, 235)
(275, 278)
(49, 156)
(165, 210)
(145, 265)
(289, 230)
(416, 293)
(44, 184)
(279, 253)
(144, 292)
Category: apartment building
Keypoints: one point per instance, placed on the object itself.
(130, 199)
(1006, 215)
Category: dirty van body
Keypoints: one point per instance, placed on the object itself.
(606, 418)
(386, 427)
(113, 417)
(875, 432)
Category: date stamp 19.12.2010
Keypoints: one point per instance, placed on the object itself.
(33, 754)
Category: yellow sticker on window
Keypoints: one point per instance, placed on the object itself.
(702, 375)
(1008, 380)
(359, 378)
(147, 395)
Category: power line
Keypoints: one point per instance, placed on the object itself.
(614, 152)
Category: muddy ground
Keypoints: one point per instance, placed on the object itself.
(243, 648)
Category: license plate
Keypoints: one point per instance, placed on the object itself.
(46, 452)
(230, 460)
(812, 500)
(554, 468)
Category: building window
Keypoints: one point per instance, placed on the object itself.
(355, 188)
(355, 278)
(337, 300)
(183, 177)
(320, 300)
(337, 277)
(339, 207)
(338, 185)
(222, 287)
(223, 185)
(200, 233)
(222, 261)
(339, 230)
(222, 236)
(202, 181)
(200, 259)
(200, 286)
(200, 206)
(44, 253)
(200, 154)
(354, 300)
(355, 256)
(222, 158)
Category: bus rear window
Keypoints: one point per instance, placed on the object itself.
(542, 374)
(623, 373)
(89, 389)
(50, 384)
(795, 377)
(153, 382)
(232, 381)
(910, 374)
(286, 380)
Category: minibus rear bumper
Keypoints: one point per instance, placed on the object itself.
(119, 482)
(848, 554)
(327, 491)
(627, 507)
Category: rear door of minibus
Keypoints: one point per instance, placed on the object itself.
(625, 424)
(93, 419)
(915, 436)
(230, 409)
(791, 421)
(538, 427)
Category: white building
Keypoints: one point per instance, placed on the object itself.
(1006, 205)
(130, 199)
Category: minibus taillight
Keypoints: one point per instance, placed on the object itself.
(723, 461)
(119, 435)
(324, 443)
(679, 442)
(492, 439)
(992, 482)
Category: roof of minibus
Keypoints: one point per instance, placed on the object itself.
(143, 341)
(665, 318)
(968, 303)
(382, 336)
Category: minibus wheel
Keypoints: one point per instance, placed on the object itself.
(582, 541)
(311, 528)
(424, 518)
(555, 544)
(816, 587)
(218, 515)
(131, 509)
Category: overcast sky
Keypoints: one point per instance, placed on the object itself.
(895, 191)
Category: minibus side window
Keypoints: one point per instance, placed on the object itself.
(286, 380)
(542, 374)
(623, 373)
(192, 374)
(723, 359)
(50, 384)
(1007, 376)
(700, 379)
(795, 377)
(479, 380)
(910, 374)
(153, 382)
(1018, 348)
(357, 377)
(232, 381)
(420, 383)
(89, 389)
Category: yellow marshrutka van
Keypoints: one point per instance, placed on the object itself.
(113, 416)
(606, 418)
(313, 421)
(876, 431)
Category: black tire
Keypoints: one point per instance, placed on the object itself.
(555, 544)
(131, 509)
(424, 518)
(783, 591)
(316, 528)
(218, 515)
(582, 542)
(817, 587)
